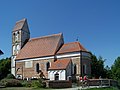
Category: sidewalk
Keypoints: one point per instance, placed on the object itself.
(79, 88)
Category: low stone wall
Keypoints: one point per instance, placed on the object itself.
(59, 84)
(102, 82)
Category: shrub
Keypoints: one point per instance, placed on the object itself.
(10, 76)
(10, 83)
(42, 83)
(34, 83)
(26, 83)
(38, 83)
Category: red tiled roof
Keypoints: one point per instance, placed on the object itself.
(60, 64)
(71, 47)
(39, 47)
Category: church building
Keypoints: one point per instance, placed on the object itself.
(49, 54)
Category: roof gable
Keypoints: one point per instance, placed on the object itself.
(40, 47)
(21, 25)
(71, 47)
(60, 64)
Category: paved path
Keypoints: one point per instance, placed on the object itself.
(78, 88)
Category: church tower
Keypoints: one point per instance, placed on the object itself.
(20, 36)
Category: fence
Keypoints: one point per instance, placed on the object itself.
(102, 82)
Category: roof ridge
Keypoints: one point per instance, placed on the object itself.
(19, 24)
(61, 36)
(31, 39)
(24, 19)
(71, 42)
(81, 46)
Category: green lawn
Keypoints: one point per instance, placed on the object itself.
(21, 88)
(26, 88)
(112, 88)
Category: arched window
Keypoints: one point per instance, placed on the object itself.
(18, 48)
(18, 35)
(13, 37)
(47, 66)
(18, 32)
(75, 69)
(37, 67)
(84, 68)
(14, 49)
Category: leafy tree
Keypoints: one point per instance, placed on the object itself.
(93, 66)
(108, 72)
(116, 69)
(97, 67)
(5, 67)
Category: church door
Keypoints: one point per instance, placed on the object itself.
(56, 76)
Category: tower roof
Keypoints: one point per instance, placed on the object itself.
(21, 25)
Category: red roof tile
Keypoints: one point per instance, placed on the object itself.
(39, 47)
(71, 47)
(60, 64)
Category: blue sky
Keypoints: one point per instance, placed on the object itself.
(95, 22)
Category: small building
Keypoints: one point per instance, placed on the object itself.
(60, 70)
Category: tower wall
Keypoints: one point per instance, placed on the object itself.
(20, 36)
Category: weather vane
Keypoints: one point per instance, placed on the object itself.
(77, 39)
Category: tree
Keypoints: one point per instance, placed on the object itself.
(5, 67)
(108, 72)
(116, 69)
(97, 67)
(93, 66)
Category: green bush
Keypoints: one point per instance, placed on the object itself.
(42, 82)
(10, 83)
(34, 83)
(10, 76)
(26, 83)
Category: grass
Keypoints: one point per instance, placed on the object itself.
(27, 88)
(22, 88)
(112, 88)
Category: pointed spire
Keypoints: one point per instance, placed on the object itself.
(21, 24)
